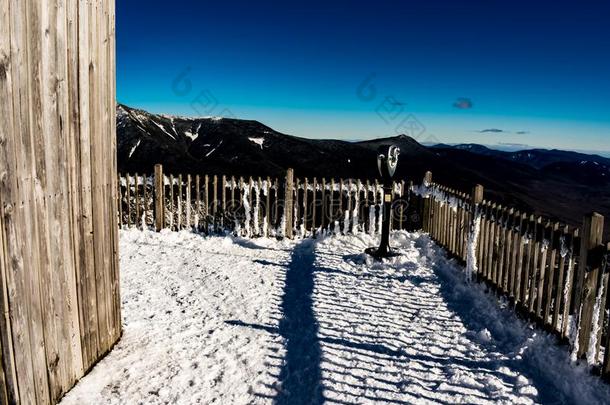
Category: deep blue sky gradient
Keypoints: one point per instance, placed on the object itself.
(537, 71)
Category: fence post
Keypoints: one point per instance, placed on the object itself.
(426, 206)
(587, 281)
(477, 194)
(288, 202)
(159, 189)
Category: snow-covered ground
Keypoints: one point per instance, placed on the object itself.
(234, 321)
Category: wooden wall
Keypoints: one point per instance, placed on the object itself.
(59, 291)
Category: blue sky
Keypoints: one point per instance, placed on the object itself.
(491, 72)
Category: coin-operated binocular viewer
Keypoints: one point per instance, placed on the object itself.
(387, 160)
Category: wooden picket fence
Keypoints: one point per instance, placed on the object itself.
(257, 206)
(552, 274)
(555, 275)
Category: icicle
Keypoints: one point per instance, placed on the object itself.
(246, 193)
(282, 231)
(346, 216)
(265, 188)
(574, 337)
(473, 238)
(372, 220)
(356, 211)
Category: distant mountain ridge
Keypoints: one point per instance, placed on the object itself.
(538, 158)
(561, 185)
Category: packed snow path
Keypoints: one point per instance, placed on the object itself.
(231, 321)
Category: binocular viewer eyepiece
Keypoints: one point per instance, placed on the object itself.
(387, 160)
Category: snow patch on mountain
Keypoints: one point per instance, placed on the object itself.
(162, 128)
(258, 141)
(213, 150)
(191, 135)
(134, 147)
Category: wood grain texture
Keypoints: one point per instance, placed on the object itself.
(58, 193)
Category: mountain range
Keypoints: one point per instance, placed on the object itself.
(558, 184)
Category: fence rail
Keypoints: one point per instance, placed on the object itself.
(554, 275)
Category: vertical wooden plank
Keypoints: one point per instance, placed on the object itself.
(9, 391)
(297, 206)
(367, 206)
(137, 199)
(606, 362)
(268, 207)
(341, 215)
(480, 248)
(544, 247)
(568, 307)
(179, 202)
(348, 225)
(144, 201)
(403, 195)
(563, 259)
(110, 110)
(250, 187)
(324, 215)
(550, 275)
(159, 193)
(197, 202)
(260, 208)
(69, 117)
(88, 289)
(489, 242)
(15, 126)
(100, 241)
(288, 203)
(520, 252)
(513, 252)
(529, 248)
(171, 202)
(587, 278)
(187, 218)
(503, 217)
(305, 218)
(234, 203)
(427, 211)
(276, 205)
(331, 210)
(535, 261)
(57, 96)
(378, 200)
(224, 200)
(469, 225)
(481, 254)
(314, 207)
(128, 196)
(206, 203)
(445, 221)
(215, 204)
(120, 199)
